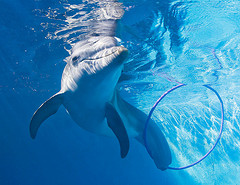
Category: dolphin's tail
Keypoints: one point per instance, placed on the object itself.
(157, 146)
(135, 120)
(47, 109)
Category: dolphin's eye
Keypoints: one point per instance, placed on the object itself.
(75, 60)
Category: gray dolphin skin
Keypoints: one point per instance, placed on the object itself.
(89, 93)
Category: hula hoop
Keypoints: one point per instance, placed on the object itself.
(220, 132)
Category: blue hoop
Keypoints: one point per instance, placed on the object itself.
(155, 105)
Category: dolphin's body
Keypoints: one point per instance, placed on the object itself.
(89, 94)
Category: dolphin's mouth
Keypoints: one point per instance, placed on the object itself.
(108, 54)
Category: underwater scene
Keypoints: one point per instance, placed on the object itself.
(119, 92)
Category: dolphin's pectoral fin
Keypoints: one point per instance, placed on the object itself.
(115, 123)
(47, 109)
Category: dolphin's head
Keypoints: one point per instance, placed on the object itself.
(97, 57)
(96, 53)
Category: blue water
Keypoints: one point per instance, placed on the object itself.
(192, 42)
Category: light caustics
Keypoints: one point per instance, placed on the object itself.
(219, 135)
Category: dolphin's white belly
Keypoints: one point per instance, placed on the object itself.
(87, 116)
(86, 105)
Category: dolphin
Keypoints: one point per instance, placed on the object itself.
(89, 94)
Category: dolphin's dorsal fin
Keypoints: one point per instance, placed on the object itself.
(47, 109)
(114, 121)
